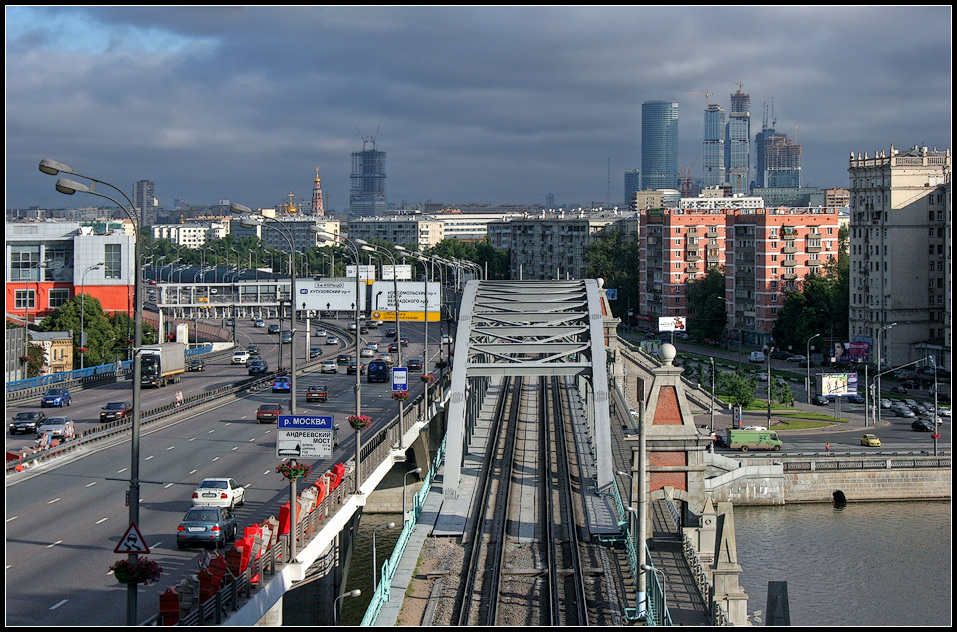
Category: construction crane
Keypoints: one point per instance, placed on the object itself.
(706, 95)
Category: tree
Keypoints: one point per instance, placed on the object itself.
(706, 306)
(33, 359)
(617, 261)
(738, 388)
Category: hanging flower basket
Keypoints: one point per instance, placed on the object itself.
(428, 378)
(400, 396)
(441, 364)
(360, 422)
(292, 470)
(142, 571)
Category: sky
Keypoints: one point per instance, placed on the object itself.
(496, 105)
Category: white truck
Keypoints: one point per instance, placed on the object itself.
(162, 364)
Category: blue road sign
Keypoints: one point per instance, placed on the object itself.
(400, 379)
(323, 422)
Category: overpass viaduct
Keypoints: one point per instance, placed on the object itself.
(660, 521)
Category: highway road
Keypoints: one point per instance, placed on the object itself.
(63, 520)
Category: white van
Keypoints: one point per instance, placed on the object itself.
(757, 356)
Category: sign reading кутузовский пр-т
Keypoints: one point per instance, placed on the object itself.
(304, 437)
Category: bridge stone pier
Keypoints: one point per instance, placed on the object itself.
(687, 537)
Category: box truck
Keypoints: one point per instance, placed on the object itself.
(162, 364)
(745, 440)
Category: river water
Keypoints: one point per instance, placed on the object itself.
(864, 564)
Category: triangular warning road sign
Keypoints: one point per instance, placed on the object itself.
(132, 542)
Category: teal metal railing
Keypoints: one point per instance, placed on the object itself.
(388, 568)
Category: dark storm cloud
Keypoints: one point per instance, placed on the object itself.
(496, 104)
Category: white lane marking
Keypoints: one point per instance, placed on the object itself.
(55, 500)
(168, 485)
(50, 546)
(148, 458)
(216, 459)
(91, 484)
(172, 447)
(58, 604)
(101, 521)
(11, 518)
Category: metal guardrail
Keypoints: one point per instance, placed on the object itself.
(826, 463)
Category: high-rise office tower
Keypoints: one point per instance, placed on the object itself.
(659, 144)
(143, 195)
(778, 159)
(737, 160)
(367, 193)
(713, 150)
(632, 185)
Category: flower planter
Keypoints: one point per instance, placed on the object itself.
(361, 422)
(125, 577)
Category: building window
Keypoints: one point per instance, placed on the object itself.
(113, 258)
(24, 299)
(58, 298)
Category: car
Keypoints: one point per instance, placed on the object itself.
(219, 492)
(372, 344)
(922, 425)
(259, 323)
(207, 526)
(230, 322)
(943, 411)
(240, 357)
(870, 441)
(394, 347)
(351, 368)
(195, 365)
(317, 393)
(329, 366)
(902, 411)
(60, 428)
(366, 352)
(315, 352)
(446, 339)
(780, 355)
(281, 384)
(390, 332)
(414, 365)
(253, 350)
(387, 357)
(802, 363)
(363, 329)
(375, 323)
(820, 400)
(27, 422)
(796, 358)
(856, 399)
(58, 397)
(321, 332)
(404, 341)
(899, 390)
(268, 412)
(910, 403)
(257, 367)
(286, 336)
(352, 326)
(332, 340)
(885, 403)
(116, 410)
(343, 358)
(378, 371)
(273, 328)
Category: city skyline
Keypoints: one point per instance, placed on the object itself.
(472, 104)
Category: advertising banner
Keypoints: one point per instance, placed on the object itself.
(671, 323)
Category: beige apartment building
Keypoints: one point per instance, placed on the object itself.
(900, 254)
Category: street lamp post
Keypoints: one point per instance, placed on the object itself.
(405, 483)
(807, 385)
(936, 411)
(336, 605)
(712, 403)
(770, 351)
(354, 250)
(664, 592)
(375, 570)
(877, 397)
(69, 187)
(82, 312)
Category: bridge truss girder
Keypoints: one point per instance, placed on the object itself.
(528, 328)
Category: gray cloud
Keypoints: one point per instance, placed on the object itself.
(496, 104)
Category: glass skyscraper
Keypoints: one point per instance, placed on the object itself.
(659, 145)
(713, 150)
(367, 193)
(737, 156)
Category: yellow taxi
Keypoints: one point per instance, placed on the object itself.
(871, 441)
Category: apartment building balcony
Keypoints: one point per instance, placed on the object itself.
(814, 249)
(693, 256)
(789, 276)
(691, 268)
(712, 234)
(814, 262)
(790, 263)
(789, 250)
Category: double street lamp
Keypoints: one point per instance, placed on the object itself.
(877, 397)
(95, 266)
(69, 187)
(807, 347)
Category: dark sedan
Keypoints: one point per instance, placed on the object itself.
(115, 410)
(206, 525)
(820, 400)
(258, 367)
(922, 425)
(195, 365)
(27, 421)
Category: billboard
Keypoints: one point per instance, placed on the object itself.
(851, 352)
(836, 384)
(671, 323)
(413, 305)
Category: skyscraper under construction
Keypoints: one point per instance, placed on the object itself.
(367, 192)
